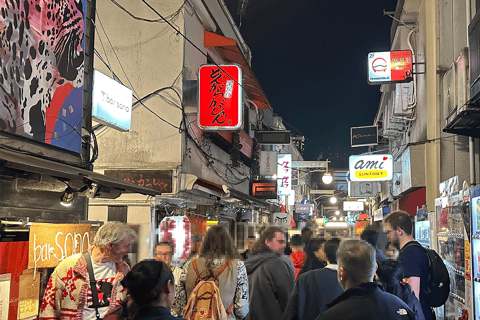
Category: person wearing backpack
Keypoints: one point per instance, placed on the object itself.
(390, 273)
(218, 276)
(412, 256)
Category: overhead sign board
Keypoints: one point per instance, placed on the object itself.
(310, 164)
(363, 189)
(112, 102)
(273, 137)
(390, 66)
(284, 173)
(220, 97)
(353, 205)
(327, 192)
(364, 136)
(268, 163)
(303, 208)
(264, 189)
(371, 167)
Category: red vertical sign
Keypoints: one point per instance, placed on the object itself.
(401, 65)
(220, 98)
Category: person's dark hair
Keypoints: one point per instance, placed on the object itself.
(147, 280)
(390, 273)
(357, 257)
(267, 233)
(370, 234)
(312, 262)
(296, 240)
(218, 244)
(400, 219)
(331, 248)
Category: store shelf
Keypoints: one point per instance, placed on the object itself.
(460, 272)
(457, 297)
(450, 235)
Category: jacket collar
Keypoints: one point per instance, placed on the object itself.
(360, 290)
(80, 266)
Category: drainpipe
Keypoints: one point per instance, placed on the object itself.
(471, 140)
(471, 149)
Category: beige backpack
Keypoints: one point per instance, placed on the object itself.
(204, 302)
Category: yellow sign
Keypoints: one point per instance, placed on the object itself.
(371, 174)
(51, 243)
(211, 223)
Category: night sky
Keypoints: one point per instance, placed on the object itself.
(310, 59)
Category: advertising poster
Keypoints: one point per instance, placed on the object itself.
(28, 295)
(4, 295)
(42, 92)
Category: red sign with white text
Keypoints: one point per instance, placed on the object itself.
(220, 98)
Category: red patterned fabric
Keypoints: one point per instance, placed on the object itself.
(298, 257)
(13, 260)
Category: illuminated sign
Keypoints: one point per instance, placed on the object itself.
(371, 167)
(112, 102)
(264, 189)
(303, 208)
(353, 206)
(390, 66)
(284, 173)
(220, 97)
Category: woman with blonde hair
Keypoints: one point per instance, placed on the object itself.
(218, 259)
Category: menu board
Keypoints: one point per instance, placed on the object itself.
(4, 295)
(28, 295)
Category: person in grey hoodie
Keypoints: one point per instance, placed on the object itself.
(270, 277)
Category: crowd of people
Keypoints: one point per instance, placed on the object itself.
(304, 278)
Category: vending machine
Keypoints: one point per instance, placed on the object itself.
(475, 248)
(451, 234)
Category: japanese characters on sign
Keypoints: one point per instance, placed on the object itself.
(284, 173)
(220, 98)
(268, 163)
(390, 66)
(264, 189)
(160, 180)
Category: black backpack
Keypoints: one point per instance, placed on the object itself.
(439, 280)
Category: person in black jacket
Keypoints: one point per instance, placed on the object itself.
(390, 273)
(363, 298)
(314, 289)
(315, 255)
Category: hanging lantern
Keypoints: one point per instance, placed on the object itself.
(177, 230)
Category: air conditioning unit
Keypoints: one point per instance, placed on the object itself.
(456, 87)
(393, 127)
(449, 92)
(403, 99)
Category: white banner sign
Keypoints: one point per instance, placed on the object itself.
(371, 167)
(284, 173)
(112, 102)
(268, 163)
(353, 206)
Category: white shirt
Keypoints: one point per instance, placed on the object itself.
(104, 275)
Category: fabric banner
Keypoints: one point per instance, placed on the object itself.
(51, 243)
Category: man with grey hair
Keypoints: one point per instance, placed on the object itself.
(363, 298)
(69, 292)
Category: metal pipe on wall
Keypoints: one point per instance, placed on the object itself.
(471, 149)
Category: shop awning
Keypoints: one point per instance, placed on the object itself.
(29, 163)
(254, 201)
(466, 123)
(230, 51)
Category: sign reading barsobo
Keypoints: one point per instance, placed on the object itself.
(371, 167)
(51, 243)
